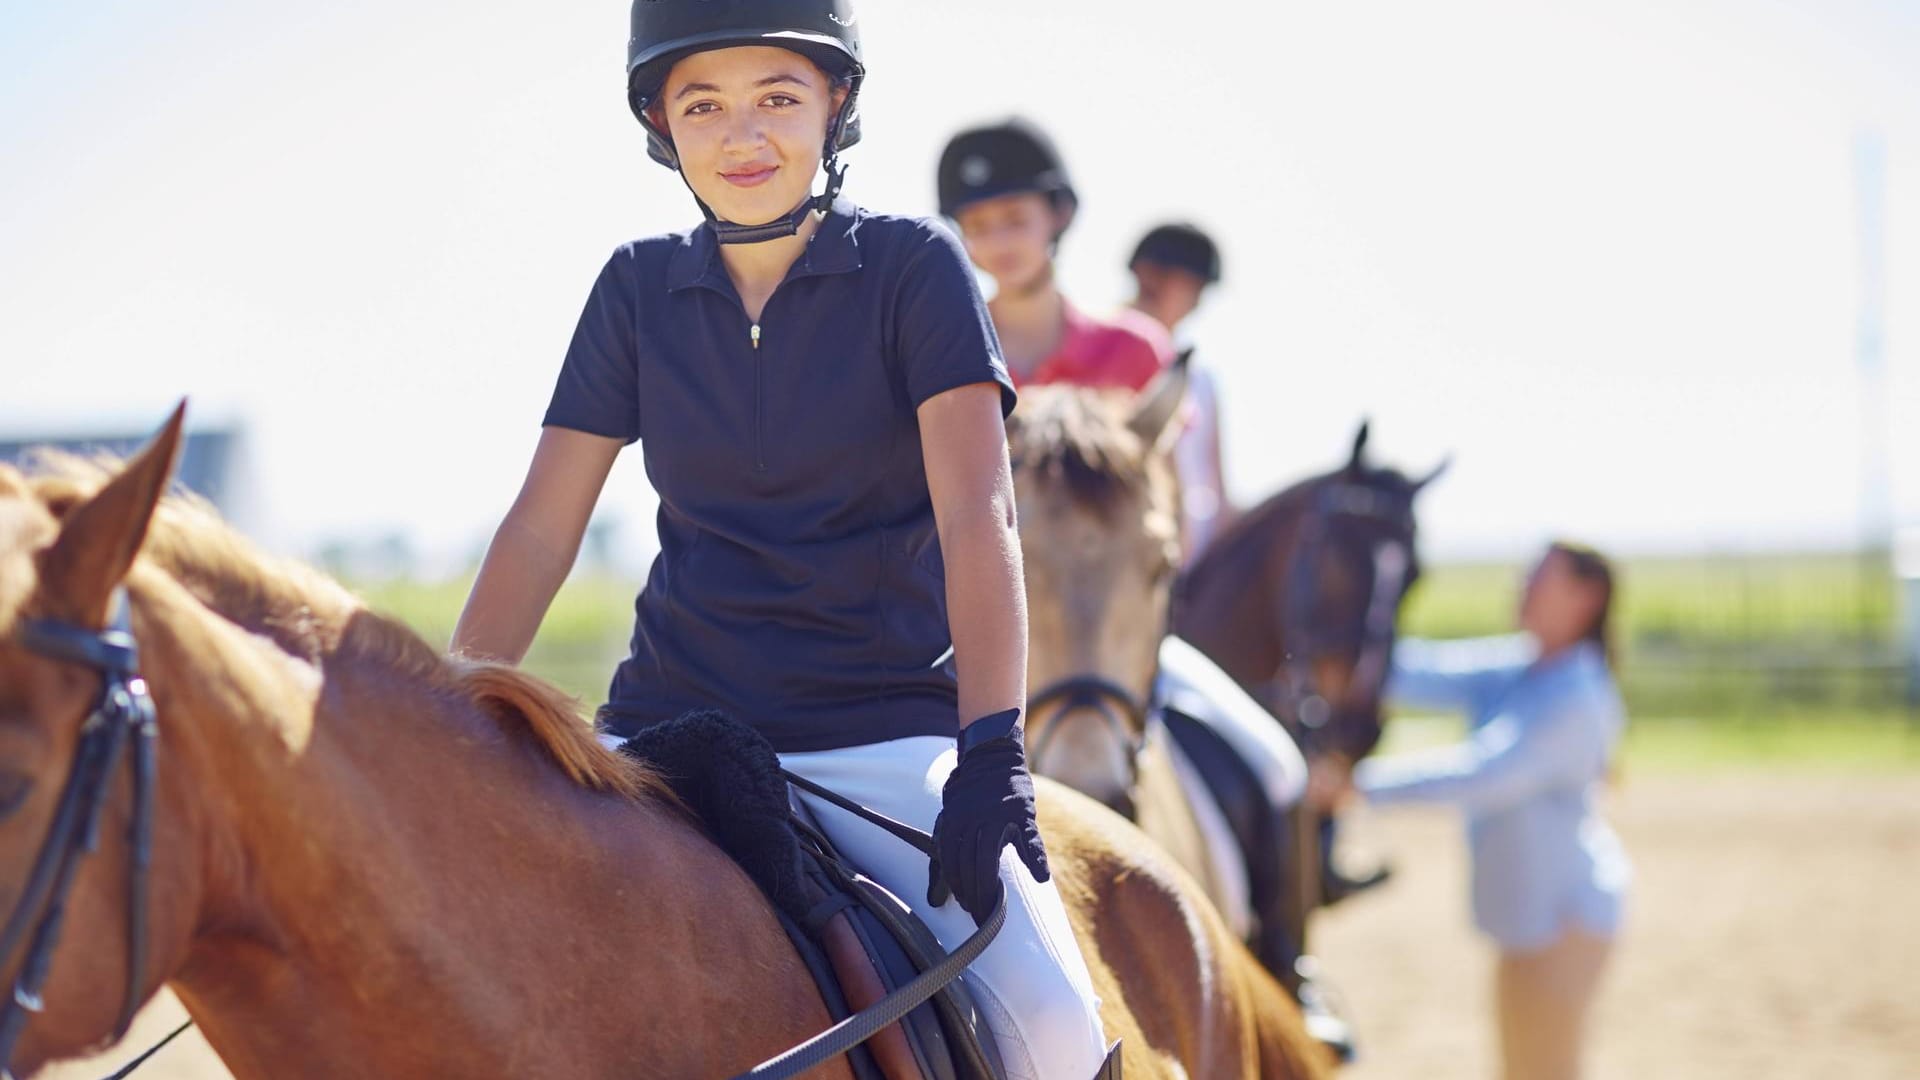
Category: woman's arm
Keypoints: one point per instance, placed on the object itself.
(1452, 674)
(1507, 760)
(535, 545)
(964, 442)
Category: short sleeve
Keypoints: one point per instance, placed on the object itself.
(598, 391)
(946, 338)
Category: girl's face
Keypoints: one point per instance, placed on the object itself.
(1558, 607)
(1168, 293)
(1011, 238)
(749, 124)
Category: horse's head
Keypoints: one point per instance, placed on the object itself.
(73, 713)
(1341, 581)
(1100, 532)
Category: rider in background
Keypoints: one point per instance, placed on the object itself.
(1007, 188)
(1173, 266)
(1549, 875)
(819, 398)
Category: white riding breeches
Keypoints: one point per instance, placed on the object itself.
(1031, 983)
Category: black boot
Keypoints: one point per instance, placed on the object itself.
(1336, 886)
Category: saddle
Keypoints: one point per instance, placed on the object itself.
(857, 939)
(1259, 830)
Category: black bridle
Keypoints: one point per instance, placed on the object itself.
(122, 714)
(1125, 715)
(1296, 696)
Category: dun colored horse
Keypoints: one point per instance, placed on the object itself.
(1099, 533)
(1298, 600)
(369, 860)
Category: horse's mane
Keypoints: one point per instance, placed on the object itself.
(1250, 536)
(311, 617)
(1080, 439)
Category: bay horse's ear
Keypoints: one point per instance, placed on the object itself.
(1438, 471)
(100, 537)
(1356, 463)
(1157, 405)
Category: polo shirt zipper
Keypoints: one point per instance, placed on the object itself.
(759, 404)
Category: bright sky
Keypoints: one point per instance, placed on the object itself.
(1607, 254)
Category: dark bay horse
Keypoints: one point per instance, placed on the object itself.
(1298, 600)
(371, 860)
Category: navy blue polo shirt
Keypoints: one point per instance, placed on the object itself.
(799, 584)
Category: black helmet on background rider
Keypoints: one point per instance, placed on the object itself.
(1008, 158)
(1182, 247)
(824, 31)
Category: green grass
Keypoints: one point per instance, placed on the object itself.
(1749, 636)
(1749, 658)
(1847, 743)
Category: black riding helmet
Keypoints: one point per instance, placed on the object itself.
(1007, 158)
(1181, 246)
(824, 31)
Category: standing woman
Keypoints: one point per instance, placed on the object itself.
(1549, 876)
(1007, 188)
(819, 397)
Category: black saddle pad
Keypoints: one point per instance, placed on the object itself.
(729, 776)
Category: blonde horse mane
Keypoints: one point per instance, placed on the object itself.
(1080, 438)
(311, 616)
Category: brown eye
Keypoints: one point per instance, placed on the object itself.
(14, 789)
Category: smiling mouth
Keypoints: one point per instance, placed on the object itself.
(750, 177)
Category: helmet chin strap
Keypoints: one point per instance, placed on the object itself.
(728, 232)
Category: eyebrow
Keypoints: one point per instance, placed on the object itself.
(771, 80)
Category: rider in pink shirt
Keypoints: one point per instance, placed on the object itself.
(1006, 187)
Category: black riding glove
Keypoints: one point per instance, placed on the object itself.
(986, 805)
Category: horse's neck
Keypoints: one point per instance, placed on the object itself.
(389, 883)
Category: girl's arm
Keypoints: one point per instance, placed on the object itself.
(535, 545)
(964, 442)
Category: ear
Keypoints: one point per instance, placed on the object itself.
(1438, 471)
(1356, 463)
(100, 537)
(1157, 406)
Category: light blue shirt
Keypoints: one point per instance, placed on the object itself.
(1541, 735)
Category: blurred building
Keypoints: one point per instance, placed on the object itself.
(210, 462)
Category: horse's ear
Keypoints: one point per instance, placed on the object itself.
(1158, 404)
(1356, 463)
(1438, 471)
(100, 537)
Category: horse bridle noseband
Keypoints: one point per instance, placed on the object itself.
(122, 714)
(1296, 696)
(1126, 716)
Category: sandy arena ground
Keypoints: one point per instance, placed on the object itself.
(1775, 932)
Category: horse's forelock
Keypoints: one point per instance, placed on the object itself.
(1080, 439)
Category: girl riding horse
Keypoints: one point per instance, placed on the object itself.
(819, 397)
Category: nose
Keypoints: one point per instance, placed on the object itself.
(744, 134)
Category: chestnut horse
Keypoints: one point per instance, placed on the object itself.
(370, 860)
(1298, 600)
